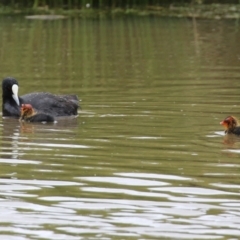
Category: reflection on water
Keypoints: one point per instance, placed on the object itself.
(146, 158)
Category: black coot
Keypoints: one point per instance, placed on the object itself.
(55, 105)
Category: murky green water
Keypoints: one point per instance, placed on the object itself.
(146, 158)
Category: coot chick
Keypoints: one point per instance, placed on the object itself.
(28, 114)
(55, 105)
(231, 125)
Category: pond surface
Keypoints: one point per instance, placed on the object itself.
(146, 158)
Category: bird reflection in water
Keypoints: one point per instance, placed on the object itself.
(15, 133)
(232, 140)
(27, 127)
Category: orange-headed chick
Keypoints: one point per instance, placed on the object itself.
(29, 114)
(26, 111)
(231, 125)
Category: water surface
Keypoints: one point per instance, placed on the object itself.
(146, 158)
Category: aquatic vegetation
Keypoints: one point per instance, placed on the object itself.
(100, 8)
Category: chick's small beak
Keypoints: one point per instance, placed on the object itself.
(224, 124)
(15, 93)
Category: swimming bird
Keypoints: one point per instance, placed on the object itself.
(55, 105)
(231, 125)
(28, 114)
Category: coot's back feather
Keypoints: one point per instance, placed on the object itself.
(56, 105)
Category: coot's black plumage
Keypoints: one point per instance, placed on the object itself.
(55, 105)
(10, 100)
(28, 114)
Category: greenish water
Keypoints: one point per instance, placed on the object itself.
(146, 158)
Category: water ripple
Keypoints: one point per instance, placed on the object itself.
(124, 181)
